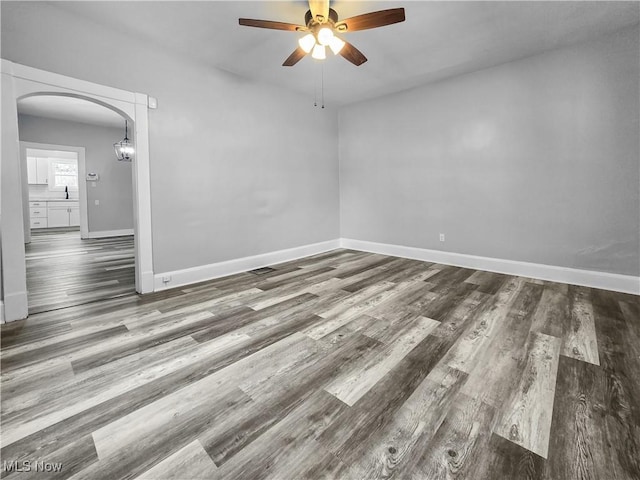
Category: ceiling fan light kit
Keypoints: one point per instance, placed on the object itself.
(321, 26)
(307, 42)
(319, 52)
(325, 34)
(336, 45)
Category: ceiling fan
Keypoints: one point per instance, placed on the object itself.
(322, 24)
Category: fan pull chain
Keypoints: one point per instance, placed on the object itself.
(322, 76)
(315, 88)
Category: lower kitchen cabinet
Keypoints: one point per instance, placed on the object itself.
(74, 216)
(62, 214)
(57, 217)
(52, 214)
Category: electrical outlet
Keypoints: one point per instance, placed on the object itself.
(97, 202)
(442, 237)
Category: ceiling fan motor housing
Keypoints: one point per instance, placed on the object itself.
(309, 20)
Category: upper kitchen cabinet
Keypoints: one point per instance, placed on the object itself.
(37, 170)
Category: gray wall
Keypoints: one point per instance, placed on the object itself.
(234, 166)
(535, 160)
(115, 187)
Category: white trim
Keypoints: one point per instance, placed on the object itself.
(1, 312)
(13, 271)
(15, 306)
(110, 233)
(238, 265)
(573, 276)
(143, 242)
(22, 81)
(55, 80)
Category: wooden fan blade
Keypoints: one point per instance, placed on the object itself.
(372, 20)
(319, 7)
(352, 54)
(297, 55)
(248, 22)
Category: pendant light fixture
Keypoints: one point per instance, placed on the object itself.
(124, 149)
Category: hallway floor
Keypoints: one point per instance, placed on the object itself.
(64, 270)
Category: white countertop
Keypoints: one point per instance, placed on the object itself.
(53, 200)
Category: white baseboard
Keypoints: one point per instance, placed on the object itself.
(573, 276)
(110, 233)
(230, 267)
(14, 307)
(1, 312)
(588, 278)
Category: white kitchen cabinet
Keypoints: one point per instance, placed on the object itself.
(37, 170)
(57, 216)
(52, 214)
(74, 216)
(32, 170)
(40, 222)
(38, 212)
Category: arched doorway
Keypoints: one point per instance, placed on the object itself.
(19, 81)
(77, 202)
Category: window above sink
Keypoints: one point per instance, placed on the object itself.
(63, 173)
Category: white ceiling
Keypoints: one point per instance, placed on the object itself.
(71, 109)
(438, 39)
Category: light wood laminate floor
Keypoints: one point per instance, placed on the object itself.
(344, 365)
(63, 270)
